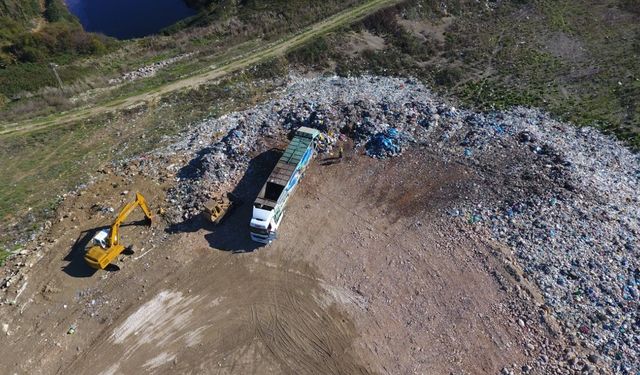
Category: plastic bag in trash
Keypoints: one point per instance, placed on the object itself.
(385, 144)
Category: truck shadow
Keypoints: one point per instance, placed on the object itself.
(233, 233)
(76, 266)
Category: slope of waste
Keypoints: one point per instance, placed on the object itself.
(563, 199)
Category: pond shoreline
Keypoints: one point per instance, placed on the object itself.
(123, 19)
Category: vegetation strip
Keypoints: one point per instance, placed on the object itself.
(233, 64)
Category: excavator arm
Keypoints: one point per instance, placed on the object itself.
(126, 211)
(99, 258)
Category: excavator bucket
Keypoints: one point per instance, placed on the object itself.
(217, 209)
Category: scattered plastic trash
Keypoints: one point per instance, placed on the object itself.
(475, 219)
(385, 144)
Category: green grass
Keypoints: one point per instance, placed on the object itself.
(576, 59)
(489, 95)
(4, 255)
(260, 25)
(558, 14)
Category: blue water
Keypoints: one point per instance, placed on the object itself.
(126, 19)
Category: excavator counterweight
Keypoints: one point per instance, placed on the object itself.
(106, 245)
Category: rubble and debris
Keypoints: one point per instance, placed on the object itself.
(148, 70)
(385, 144)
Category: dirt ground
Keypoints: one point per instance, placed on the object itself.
(369, 275)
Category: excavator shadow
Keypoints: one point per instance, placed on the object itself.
(233, 233)
(76, 266)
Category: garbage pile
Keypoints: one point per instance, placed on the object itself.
(385, 144)
(567, 204)
(564, 199)
(215, 153)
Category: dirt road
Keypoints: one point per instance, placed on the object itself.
(232, 64)
(368, 276)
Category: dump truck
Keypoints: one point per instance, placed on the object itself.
(269, 206)
(105, 246)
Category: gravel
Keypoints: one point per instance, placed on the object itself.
(563, 199)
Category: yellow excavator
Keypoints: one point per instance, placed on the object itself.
(106, 244)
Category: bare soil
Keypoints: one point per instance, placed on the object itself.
(368, 276)
(359, 42)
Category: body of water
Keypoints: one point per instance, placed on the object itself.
(126, 19)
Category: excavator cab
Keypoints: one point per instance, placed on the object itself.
(100, 239)
(106, 246)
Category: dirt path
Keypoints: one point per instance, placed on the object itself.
(367, 276)
(232, 64)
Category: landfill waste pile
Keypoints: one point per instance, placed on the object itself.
(386, 144)
(564, 199)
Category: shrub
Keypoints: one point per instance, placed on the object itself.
(383, 22)
(25, 77)
(54, 41)
(448, 76)
(56, 11)
(276, 67)
(57, 100)
(631, 5)
(317, 52)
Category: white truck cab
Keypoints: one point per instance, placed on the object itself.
(263, 225)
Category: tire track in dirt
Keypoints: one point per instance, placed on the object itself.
(350, 287)
(294, 329)
(270, 317)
